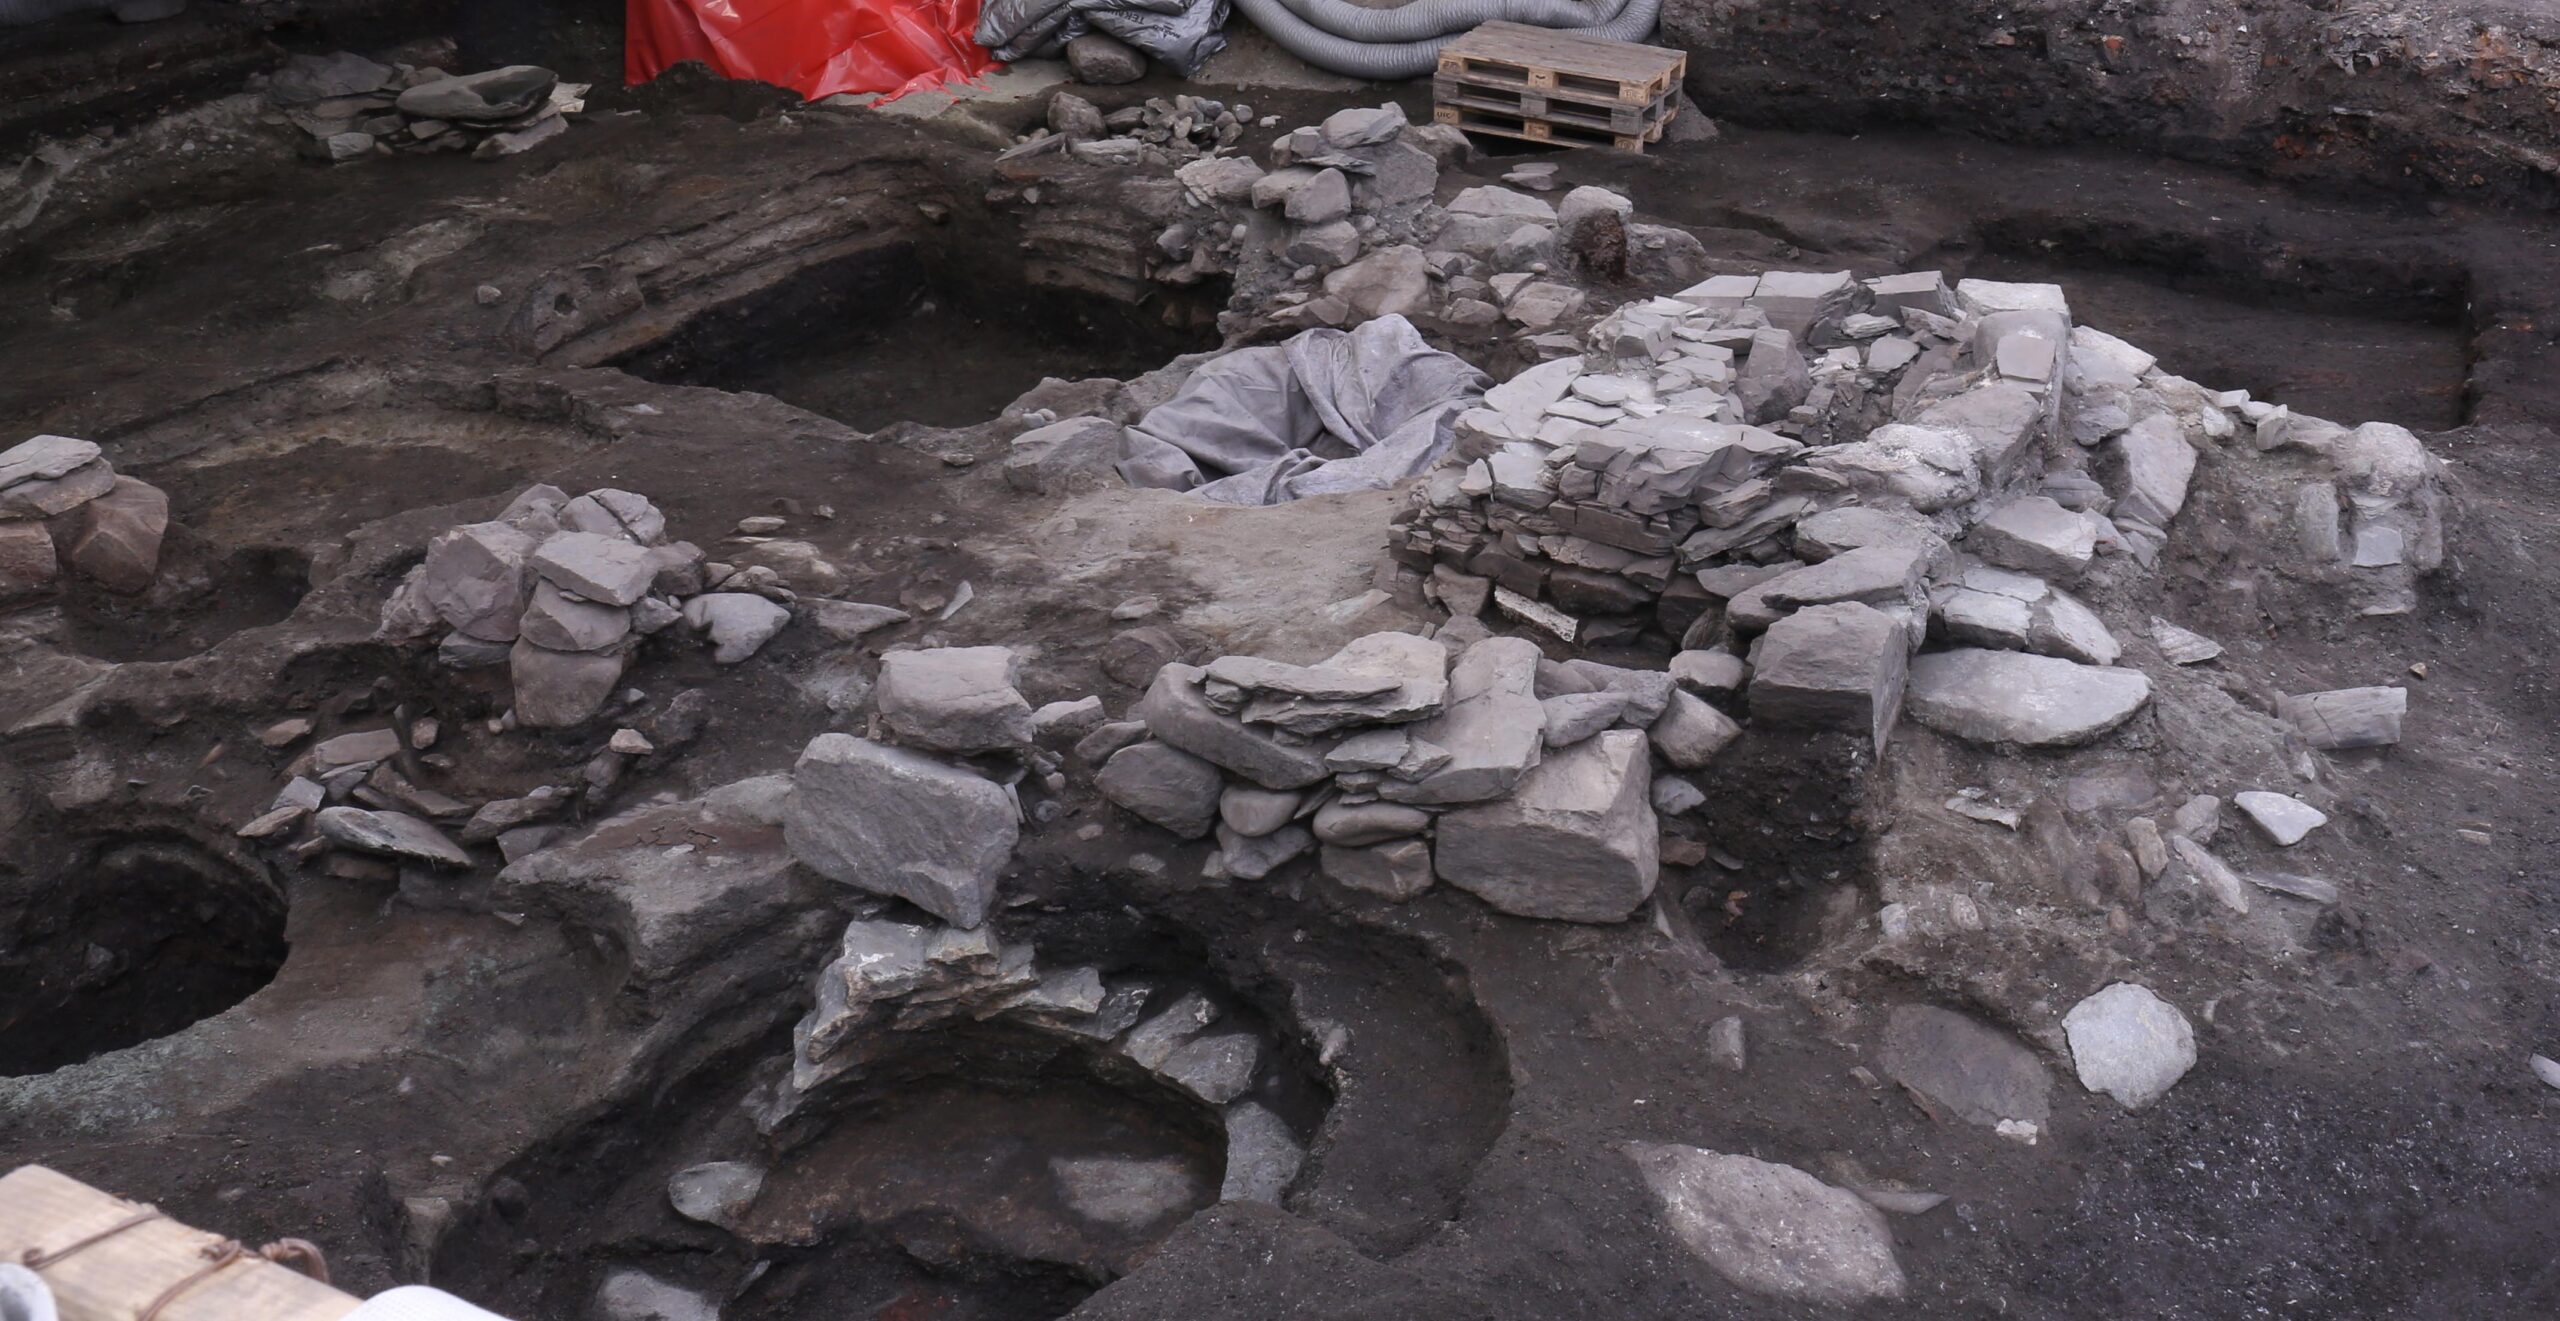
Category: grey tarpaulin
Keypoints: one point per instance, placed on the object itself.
(1330, 410)
(1179, 34)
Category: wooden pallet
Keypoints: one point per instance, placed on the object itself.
(1615, 117)
(1563, 65)
(1547, 132)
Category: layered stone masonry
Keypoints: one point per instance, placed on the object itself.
(65, 509)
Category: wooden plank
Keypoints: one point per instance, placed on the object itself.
(1509, 83)
(116, 1277)
(1543, 132)
(1565, 62)
(1532, 105)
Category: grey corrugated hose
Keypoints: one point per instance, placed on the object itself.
(1408, 39)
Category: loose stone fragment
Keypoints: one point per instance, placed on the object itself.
(1263, 1156)
(2180, 646)
(390, 834)
(955, 699)
(1772, 1229)
(901, 824)
(2129, 1044)
(2347, 717)
(2286, 819)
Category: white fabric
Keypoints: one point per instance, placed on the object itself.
(417, 1302)
(23, 1295)
(1327, 411)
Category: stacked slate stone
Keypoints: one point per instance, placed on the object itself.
(1527, 783)
(891, 978)
(1183, 128)
(352, 108)
(63, 507)
(1804, 477)
(562, 591)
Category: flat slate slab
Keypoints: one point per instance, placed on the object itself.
(2012, 697)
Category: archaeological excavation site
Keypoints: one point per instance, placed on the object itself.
(1171, 660)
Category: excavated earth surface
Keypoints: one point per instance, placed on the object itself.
(435, 1086)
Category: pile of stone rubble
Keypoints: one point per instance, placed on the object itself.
(562, 591)
(352, 108)
(1802, 478)
(1341, 227)
(1179, 129)
(63, 507)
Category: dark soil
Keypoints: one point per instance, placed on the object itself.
(2362, 1138)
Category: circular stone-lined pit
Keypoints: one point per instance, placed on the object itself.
(123, 939)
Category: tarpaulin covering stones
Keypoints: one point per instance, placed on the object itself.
(817, 48)
(1179, 34)
(1328, 411)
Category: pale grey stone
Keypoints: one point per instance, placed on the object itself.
(2011, 697)
(1573, 717)
(1772, 1229)
(560, 689)
(1151, 1043)
(1710, 673)
(1251, 858)
(1164, 785)
(2181, 646)
(600, 568)
(390, 834)
(900, 824)
(1126, 1193)
(2158, 464)
(738, 623)
(1837, 666)
(44, 459)
(1217, 1069)
(2214, 876)
(2033, 534)
(851, 621)
(1690, 733)
(1263, 1156)
(1078, 454)
(2284, 818)
(2129, 1044)
(477, 579)
(555, 620)
(2346, 717)
(1355, 824)
(1728, 1044)
(1837, 531)
(1255, 812)
(1176, 711)
(716, 1193)
(629, 1294)
(954, 699)
(38, 497)
(1575, 841)
(1398, 869)
(1062, 722)
(1493, 728)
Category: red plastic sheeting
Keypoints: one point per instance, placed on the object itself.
(814, 47)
